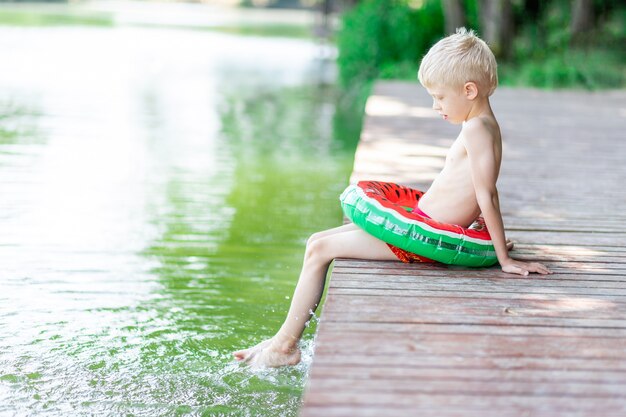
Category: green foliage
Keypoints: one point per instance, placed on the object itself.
(379, 34)
(403, 70)
(546, 55)
(387, 38)
(591, 70)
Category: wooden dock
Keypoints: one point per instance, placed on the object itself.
(424, 340)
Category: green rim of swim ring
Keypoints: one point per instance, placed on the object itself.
(380, 208)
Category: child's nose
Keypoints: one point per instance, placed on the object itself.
(435, 105)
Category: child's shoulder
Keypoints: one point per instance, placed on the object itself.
(481, 129)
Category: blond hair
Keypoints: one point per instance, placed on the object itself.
(458, 59)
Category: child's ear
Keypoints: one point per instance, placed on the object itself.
(470, 89)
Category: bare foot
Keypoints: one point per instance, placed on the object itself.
(246, 354)
(509, 244)
(269, 354)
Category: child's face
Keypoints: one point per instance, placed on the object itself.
(451, 104)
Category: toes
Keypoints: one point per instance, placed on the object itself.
(249, 358)
(542, 269)
(246, 355)
(240, 354)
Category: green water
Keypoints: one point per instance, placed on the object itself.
(156, 190)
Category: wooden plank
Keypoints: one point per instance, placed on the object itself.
(589, 271)
(382, 384)
(409, 308)
(536, 321)
(439, 274)
(581, 239)
(616, 291)
(412, 411)
(502, 346)
(558, 405)
(384, 326)
(562, 302)
(444, 279)
(427, 373)
(462, 362)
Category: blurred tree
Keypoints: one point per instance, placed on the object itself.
(454, 12)
(496, 22)
(582, 17)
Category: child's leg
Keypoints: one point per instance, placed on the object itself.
(355, 244)
(348, 242)
(341, 229)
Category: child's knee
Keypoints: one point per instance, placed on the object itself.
(313, 238)
(317, 249)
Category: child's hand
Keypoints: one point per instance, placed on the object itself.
(523, 268)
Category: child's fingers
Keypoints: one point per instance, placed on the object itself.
(539, 268)
(524, 268)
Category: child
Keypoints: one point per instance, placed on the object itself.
(459, 72)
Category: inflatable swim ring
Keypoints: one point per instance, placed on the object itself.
(384, 210)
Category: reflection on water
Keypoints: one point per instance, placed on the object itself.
(157, 189)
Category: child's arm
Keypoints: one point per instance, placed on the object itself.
(479, 144)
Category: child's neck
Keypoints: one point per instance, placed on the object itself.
(480, 107)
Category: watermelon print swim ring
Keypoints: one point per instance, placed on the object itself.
(384, 210)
